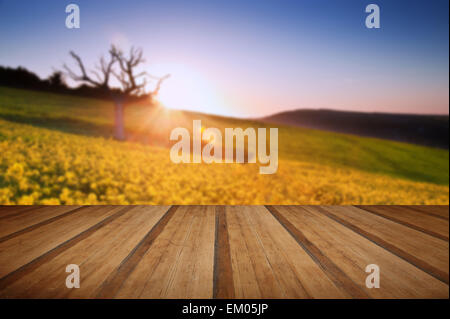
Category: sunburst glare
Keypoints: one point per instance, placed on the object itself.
(188, 89)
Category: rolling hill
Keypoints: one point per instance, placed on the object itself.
(429, 130)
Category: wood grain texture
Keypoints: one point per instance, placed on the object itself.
(223, 271)
(224, 251)
(13, 210)
(331, 270)
(180, 262)
(425, 223)
(351, 253)
(439, 211)
(93, 254)
(116, 278)
(424, 251)
(25, 221)
(19, 251)
(262, 269)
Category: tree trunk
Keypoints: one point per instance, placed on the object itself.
(119, 127)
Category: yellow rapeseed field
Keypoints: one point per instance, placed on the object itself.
(41, 166)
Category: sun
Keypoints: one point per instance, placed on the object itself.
(187, 89)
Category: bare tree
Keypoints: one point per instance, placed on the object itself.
(123, 68)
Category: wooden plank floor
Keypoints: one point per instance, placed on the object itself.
(224, 251)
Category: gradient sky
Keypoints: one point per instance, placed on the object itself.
(252, 58)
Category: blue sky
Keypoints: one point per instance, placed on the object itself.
(252, 58)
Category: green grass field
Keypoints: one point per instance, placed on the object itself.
(58, 149)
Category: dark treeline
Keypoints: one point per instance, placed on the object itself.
(24, 79)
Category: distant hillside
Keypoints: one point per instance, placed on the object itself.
(430, 130)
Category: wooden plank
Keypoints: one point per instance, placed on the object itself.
(180, 262)
(286, 255)
(430, 225)
(223, 271)
(13, 210)
(440, 211)
(352, 253)
(16, 225)
(331, 270)
(244, 275)
(134, 284)
(19, 251)
(193, 273)
(424, 251)
(93, 256)
(116, 279)
(121, 236)
(275, 279)
(268, 263)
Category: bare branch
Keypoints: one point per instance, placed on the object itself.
(158, 84)
(105, 69)
(127, 65)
